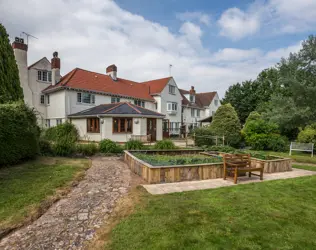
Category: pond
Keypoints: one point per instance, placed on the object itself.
(171, 160)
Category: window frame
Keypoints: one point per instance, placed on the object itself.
(216, 103)
(47, 123)
(193, 114)
(128, 125)
(47, 100)
(93, 125)
(172, 89)
(59, 121)
(81, 96)
(173, 105)
(198, 113)
(139, 103)
(41, 74)
(42, 99)
(115, 99)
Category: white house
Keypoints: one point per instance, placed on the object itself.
(58, 99)
(198, 108)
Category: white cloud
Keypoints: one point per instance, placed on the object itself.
(95, 34)
(236, 24)
(194, 16)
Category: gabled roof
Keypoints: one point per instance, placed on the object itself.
(44, 58)
(96, 82)
(156, 86)
(201, 99)
(115, 109)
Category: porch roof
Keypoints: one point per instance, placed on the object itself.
(117, 109)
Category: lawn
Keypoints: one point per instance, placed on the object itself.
(169, 160)
(28, 189)
(270, 215)
(310, 168)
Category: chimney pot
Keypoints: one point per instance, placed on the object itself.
(112, 71)
(19, 44)
(55, 64)
(192, 91)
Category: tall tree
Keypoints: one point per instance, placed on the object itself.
(249, 95)
(10, 89)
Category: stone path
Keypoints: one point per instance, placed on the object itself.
(216, 183)
(72, 221)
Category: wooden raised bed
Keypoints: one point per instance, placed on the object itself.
(174, 173)
(273, 166)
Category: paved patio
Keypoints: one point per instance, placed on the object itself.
(216, 183)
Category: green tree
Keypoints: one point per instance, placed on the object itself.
(226, 123)
(10, 89)
(249, 95)
(308, 134)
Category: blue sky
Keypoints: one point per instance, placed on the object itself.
(211, 44)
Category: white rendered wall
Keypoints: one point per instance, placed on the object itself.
(81, 125)
(213, 107)
(21, 61)
(159, 130)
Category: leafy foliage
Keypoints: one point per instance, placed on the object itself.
(87, 149)
(65, 130)
(45, 147)
(203, 136)
(134, 145)
(19, 133)
(226, 123)
(165, 144)
(225, 149)
(10, 89)
(308, 134)
(167, 160)
(263, 135)
(108, 146)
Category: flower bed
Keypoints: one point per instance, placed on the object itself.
(173, 166)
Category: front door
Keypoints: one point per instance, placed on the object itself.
(151, 128)
(165, 128)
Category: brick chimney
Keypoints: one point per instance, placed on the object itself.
(112, 71)
(55, 63)
(192, 91)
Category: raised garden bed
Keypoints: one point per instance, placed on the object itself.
(272, 164)
(161, 166)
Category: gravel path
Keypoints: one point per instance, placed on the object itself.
(72, 221)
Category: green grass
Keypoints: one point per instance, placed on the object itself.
(269, 215)
(311, 168)
(28, 188)
(169, 160)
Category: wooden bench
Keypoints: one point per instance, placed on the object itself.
(240, 163)
(304, 147)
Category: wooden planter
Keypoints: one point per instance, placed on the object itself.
(176, 173)
(273, 166)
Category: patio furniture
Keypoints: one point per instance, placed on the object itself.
(304, 147)
(240, 163)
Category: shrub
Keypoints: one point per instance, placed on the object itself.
(64, 147)
(203, 136)
(263, 135)
(45, 147)
(226, 123)
(19, 133)
(64, 130)
(308, 134)
(108, 146)
(164, 144)
(225, 149)
(87, 149)
(134, 145)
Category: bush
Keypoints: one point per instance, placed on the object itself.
(224, 149)
(108, 146)
(88, 149)
(226, 123)
(308, 134)
(19, 133)
(263, 135)
(165, 144)
(64, 130)
(202, 136)
(64, 147)
(134, 145)
(45, 147)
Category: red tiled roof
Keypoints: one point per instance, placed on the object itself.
(201, 99)
(91, 81)
(156, 86)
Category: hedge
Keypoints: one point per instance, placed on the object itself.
(19, 133)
